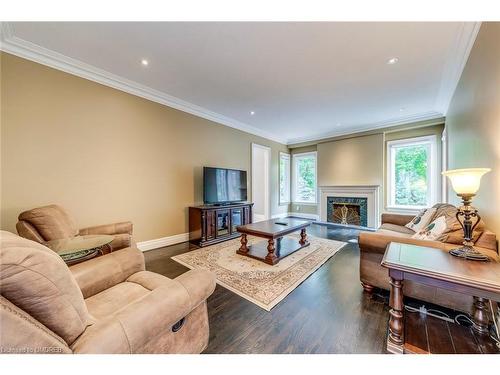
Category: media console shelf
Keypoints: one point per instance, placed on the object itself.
(210, 224)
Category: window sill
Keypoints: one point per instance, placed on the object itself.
(404, 210)
(306, 203)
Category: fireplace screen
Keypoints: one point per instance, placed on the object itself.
(347, 211)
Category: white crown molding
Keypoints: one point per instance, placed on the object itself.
(455, 64)
(369, 127)
(11, 44)
(162, 242)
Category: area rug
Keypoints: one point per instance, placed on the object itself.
(258, 282)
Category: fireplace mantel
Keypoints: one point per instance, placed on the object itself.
(371, 192)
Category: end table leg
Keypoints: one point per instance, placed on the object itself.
(395, 341)
(271, 257)
(243, 248)
(479, 315)
(303, 237)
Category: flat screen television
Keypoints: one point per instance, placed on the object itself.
(224, 186)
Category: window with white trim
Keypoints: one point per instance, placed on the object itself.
(304, 184)
(284, 178)
(412, 173)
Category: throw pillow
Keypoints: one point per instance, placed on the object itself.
(432, 231)
(421, 220)
(454, 233)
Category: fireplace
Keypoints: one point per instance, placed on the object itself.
(347, 211)
(351, 204)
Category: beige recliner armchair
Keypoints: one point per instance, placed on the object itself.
(108, 304)
(53, 222)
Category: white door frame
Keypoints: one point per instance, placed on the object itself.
(267, 183)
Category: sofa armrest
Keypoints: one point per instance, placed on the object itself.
(396, 219)
(129, 330)
(125, 227)
(95, 275)
(377, 243)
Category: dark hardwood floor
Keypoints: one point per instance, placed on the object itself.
(327, 313)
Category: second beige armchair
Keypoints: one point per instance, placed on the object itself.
(53, 222)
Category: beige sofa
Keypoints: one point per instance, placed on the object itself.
(108, 304)
(372, 247)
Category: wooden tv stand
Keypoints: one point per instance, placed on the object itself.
(209, 224)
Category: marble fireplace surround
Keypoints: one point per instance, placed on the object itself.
(371, 192)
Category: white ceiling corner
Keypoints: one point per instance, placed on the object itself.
(299, 78)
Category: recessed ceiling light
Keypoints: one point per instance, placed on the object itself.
(392, 61)
(401, 109)
(144, 62)
(252, 113)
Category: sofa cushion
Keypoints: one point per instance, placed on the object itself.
(454, 233)
(421, 220)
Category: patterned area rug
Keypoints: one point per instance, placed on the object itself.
(257, 281)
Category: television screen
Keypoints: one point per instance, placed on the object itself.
(222, 185)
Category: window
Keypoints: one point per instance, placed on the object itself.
(284, 178)
(412, 173)
(304, 178)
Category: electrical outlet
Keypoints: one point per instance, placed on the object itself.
(297, 208)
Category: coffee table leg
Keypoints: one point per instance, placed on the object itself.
(395, 341)
(479, 315)
(303, 237)
(271, 257)
(243, 248)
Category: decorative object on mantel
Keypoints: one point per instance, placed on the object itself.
(466, 183)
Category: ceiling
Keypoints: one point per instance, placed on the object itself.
(304, 81)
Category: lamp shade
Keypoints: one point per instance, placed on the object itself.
(466, 181)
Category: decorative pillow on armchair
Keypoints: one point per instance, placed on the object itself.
(432, 231)
(421, 220)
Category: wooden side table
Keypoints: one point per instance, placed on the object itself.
(437, 268)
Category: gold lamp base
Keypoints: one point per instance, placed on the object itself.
(469, 253)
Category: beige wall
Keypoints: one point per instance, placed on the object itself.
(107, 155)
(352, 161)
(473, 121)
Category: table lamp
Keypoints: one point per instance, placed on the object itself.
(466, 183)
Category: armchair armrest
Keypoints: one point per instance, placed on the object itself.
(397, 219)
(115, 228)
(122, 232)
(95, 275)
(377, 242)
(129, 330)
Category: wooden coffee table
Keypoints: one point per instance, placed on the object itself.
(435, 267)
(277, 246)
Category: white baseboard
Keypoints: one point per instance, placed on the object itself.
(161, 242)
(280, 216)
(304, 216)
(184, 237)
(296, 214)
